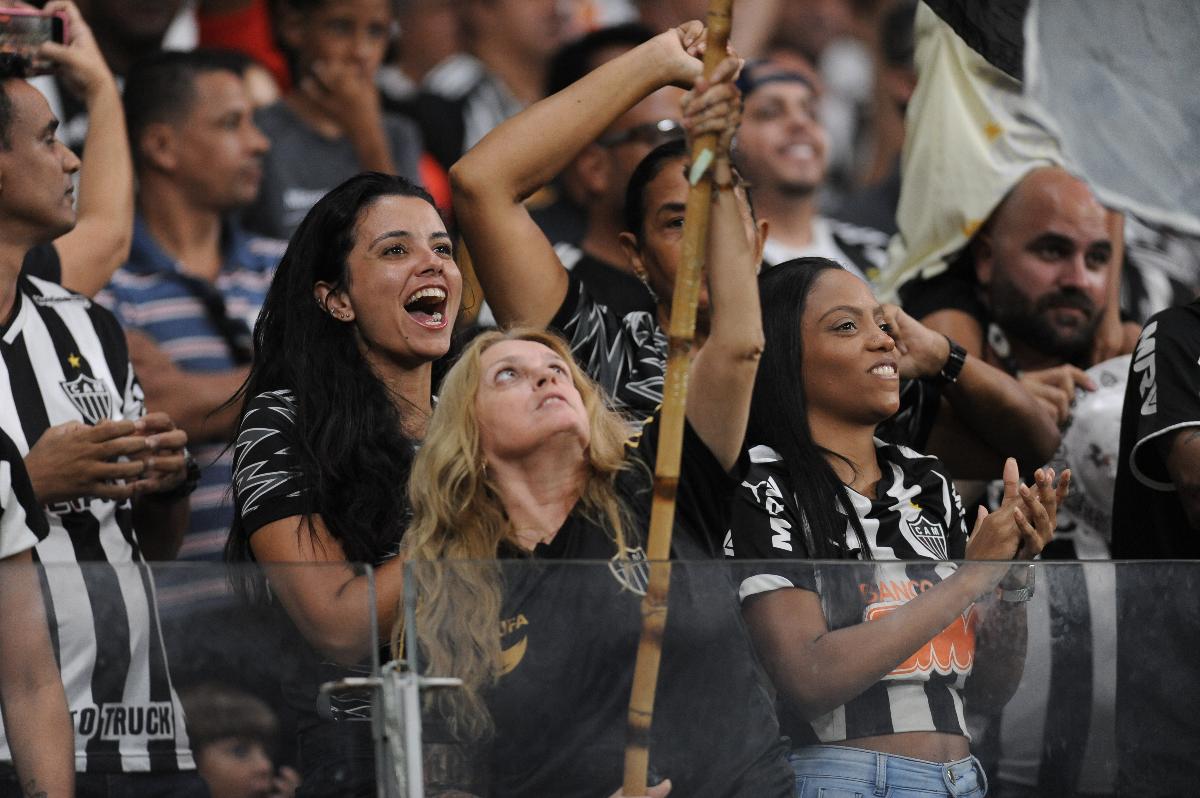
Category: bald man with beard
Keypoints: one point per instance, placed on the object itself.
(1032, 287)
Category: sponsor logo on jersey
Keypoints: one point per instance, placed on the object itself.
(511, 656)
(771, 500)
(894, 592)
(115, 722)
(1143, 364)
(952, 651)
(90, 396)
(50, 301)
(631, 571)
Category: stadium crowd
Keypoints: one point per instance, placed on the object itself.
(315, 310)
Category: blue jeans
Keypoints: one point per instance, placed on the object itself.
(835, 771)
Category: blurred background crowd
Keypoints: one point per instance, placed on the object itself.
(877, 133)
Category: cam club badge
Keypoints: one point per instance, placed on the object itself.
(90, 396)
(927, 534)
(632, 571)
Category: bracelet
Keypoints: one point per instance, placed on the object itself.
(954, 363)
(1022, 593)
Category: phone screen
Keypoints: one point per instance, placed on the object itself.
(23, 33)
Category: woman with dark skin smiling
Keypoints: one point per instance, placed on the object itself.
(873, 661)
(338, 397)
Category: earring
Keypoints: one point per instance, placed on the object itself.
(649, 290)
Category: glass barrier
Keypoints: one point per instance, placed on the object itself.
(515, 676)
(1060, 678)
(168, 664)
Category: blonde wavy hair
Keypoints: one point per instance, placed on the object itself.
(459, 526)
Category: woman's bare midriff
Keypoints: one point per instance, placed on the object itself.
(930, 746)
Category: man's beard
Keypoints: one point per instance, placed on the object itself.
(797, 189)
(1028, 321)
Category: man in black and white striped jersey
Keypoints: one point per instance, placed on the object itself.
(113, 481)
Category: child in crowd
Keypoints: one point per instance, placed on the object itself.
(233, 737)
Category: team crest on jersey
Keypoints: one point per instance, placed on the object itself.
(90, 396)
(632, 570)
(926, 535)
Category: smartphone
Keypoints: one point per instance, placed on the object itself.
(22, 30)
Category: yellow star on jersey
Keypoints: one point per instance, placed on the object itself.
(74, 360)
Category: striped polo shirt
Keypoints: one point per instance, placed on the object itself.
(204, 327)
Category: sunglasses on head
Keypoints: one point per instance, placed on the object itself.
(651, 133)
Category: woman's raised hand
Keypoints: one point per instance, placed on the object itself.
(1049, 496)
(714, 105)
(1025, 521)
(678, 53)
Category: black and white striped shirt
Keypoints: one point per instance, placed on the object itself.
(65, 360)
(22, 522)
(912, 528)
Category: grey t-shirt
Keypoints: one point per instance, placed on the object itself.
(302, 166)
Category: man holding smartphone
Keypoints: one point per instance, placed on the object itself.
(112, 480)
(84, 259)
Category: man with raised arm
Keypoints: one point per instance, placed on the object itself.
(112, 480)
(84, 258)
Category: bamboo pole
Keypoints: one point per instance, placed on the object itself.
(680, 335)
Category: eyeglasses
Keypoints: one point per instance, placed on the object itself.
(650, 133)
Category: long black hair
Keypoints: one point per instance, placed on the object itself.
(353, 454)
(779, 411)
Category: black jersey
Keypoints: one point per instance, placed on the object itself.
(269, 486)
(1158, 625)
(626, 355)
(570, 638)
(617, 290)
(65, 360)
(914, 526)
(1161, 398)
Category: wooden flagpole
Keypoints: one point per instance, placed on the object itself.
(681, 333)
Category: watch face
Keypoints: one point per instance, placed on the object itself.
(954, 362)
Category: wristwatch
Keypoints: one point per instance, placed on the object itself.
(1020, 594)
(954, 363)
(190, 480)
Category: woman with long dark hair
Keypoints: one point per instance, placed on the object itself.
(873, 662)
(339, 395)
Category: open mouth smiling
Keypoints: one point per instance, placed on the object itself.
(427, 306)
(887, 370)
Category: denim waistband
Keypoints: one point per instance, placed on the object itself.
(889, 770)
